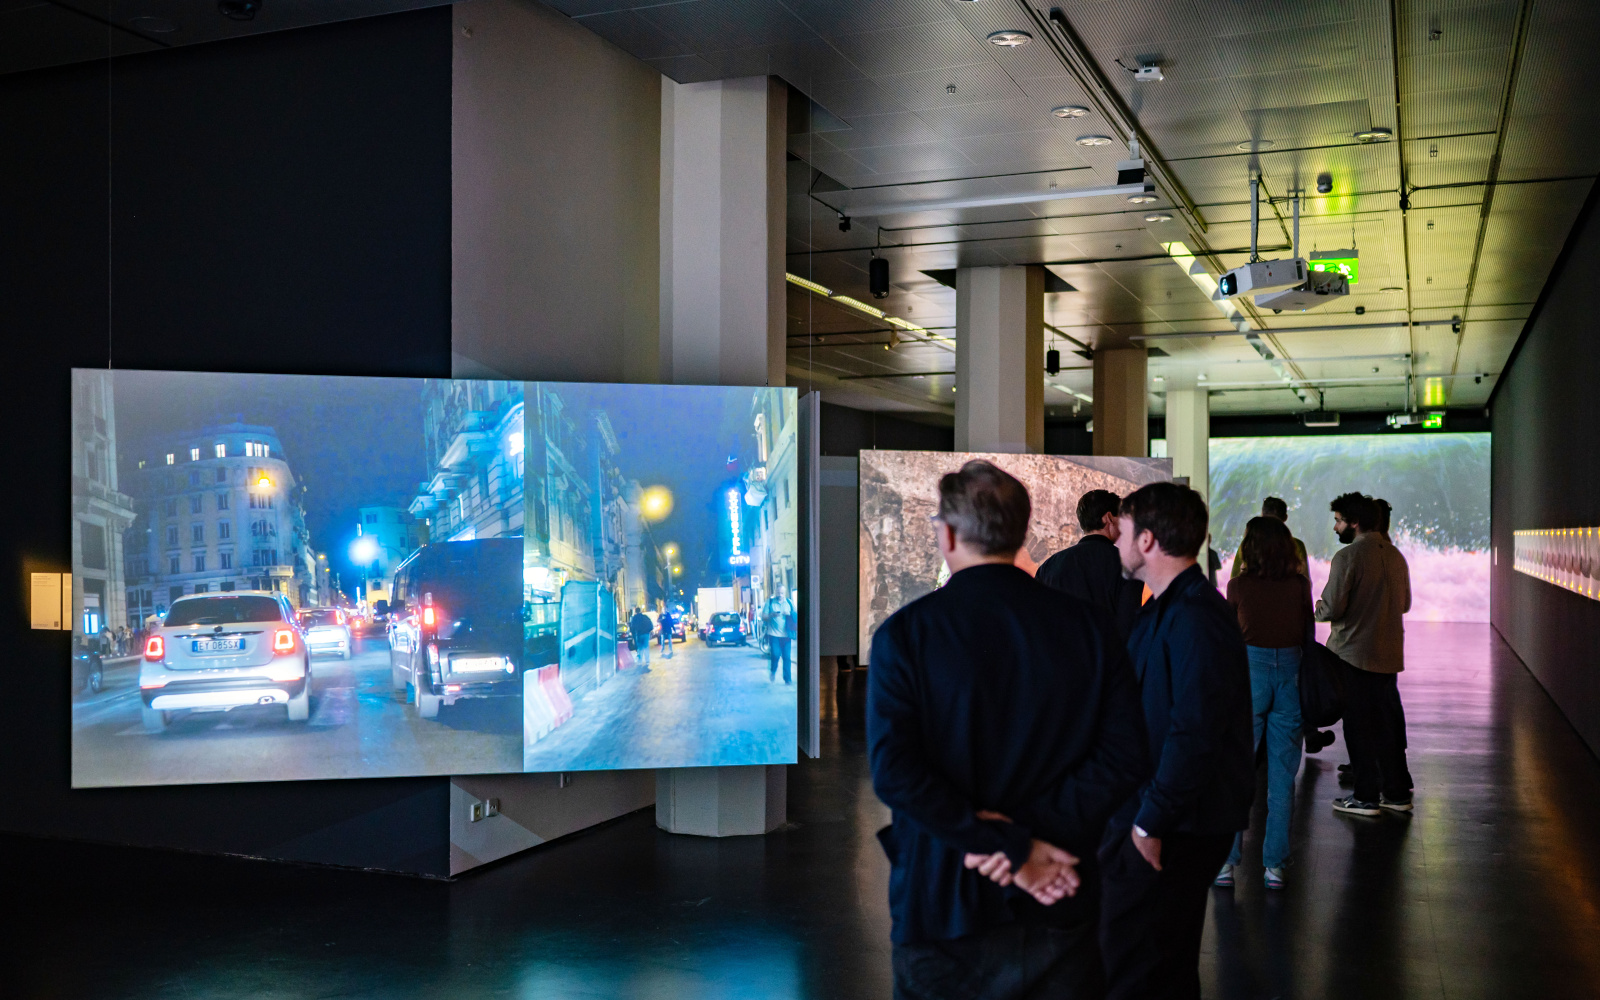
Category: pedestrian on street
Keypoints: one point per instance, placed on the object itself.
(1163, 848)
(1273, 602)
(1368, 592)
(1003, 727)
(665, 621)
(1275, 507)
(1091, 570)
(780, 622)
(639, 638)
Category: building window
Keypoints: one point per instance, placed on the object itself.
(225, 586)
(199, 562)
(194, 454)
(174, 566)
(224, 530)
(171, 508)
(94, 545)
(372, 519)
(173, 593)
(260, 501)
(222, 475)
(172, 535)
(194, 479)
(224, 560)
(194, 504)
(170, 457)
(202, 588)
(197, 534)
(222, 501)
(221, 450)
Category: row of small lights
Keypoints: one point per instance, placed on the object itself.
(1560, 579)
(862, 307)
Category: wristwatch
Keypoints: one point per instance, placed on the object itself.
(1139, 831)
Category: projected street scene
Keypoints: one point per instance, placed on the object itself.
(255, 557)
(900, 492)
(659, 573)
(1438, 485)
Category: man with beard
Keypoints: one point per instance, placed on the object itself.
(1368, 590)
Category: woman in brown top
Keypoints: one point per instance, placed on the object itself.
(1274, 605)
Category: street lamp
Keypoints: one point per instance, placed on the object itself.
(655, 503)
(362, 551)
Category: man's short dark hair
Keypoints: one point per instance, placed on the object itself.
(1356, 509)
(1385, 514)
(1093, 507)
(988, 508)
(1173, 513)
(1275, 507)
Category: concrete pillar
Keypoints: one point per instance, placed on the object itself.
(1121, 410)
(722, 231)
(723, 220)
(1000, 359)
(1189, 437)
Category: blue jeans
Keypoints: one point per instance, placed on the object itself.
(1275, 699)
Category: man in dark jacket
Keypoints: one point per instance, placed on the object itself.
(1003, 723)
(1165, 845)
(1091, 571)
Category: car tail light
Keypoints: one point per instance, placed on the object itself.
(283, 641)
(433, 655)
(155, 648)
(427, 616)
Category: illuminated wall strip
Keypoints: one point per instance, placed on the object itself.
(1566, 557)
(861, 307)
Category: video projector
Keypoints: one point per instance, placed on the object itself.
(1319, 288)
(1261, 276)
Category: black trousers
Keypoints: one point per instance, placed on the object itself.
(1014, 961)
(1374, 730)
(1151, 921)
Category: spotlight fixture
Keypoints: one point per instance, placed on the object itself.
(1069, 111)
(1378, 134)
(878, 277)
(1324, 183)
(1255, 144)
(1094, 140)
(1009, 39)
(844, 223)
(239, 10)
(1158, 217)
(1052, 361)
(1141, 199)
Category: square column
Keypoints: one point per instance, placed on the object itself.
(1000, 359)
(1121, 409)
(723, 219)
(1189, 437)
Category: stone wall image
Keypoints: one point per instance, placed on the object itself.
(900, 492)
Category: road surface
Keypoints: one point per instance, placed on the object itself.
(704, 707)
(358, 728)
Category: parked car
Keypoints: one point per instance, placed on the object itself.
(456, 623)
(88, 673)
(327, 630)
(724, 629)
(217, 652)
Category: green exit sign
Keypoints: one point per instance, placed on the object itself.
(1433, 421)
(1347, 266)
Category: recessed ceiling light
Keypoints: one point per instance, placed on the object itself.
(1069, 111)
(1094, 140)
(1374, 135)
(1255, 144)
(1141, 199)
(1158, 217)
(1009, 39)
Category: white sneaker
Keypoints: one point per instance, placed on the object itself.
(1224, 879)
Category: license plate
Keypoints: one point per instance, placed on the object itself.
(218, 645)
(464, 663)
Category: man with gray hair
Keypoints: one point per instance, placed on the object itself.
(1003, 727)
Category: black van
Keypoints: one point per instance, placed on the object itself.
(455, 623)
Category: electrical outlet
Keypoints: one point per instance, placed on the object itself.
(483, 809)
(475, 812)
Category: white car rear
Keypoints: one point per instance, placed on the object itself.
(327, 631)
(215, 652)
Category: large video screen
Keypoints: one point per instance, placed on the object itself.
(900, 561)
(300, 577)
(1438, 485)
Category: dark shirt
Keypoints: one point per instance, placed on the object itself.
(1194, 680)
(1273, 613)
(1091, 571)
(995, 692)
(639, 627)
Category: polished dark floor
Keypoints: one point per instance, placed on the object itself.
(1490, 890)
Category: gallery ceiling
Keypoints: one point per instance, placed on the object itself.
(1489, 142)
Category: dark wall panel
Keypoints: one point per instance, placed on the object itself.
(1546, 456)
(276, 204)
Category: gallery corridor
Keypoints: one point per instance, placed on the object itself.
(1489, 890)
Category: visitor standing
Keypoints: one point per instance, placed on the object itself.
(639, 637)
(1275, 507)
(780, 625)
(1091, 570)
(1003, 727)
(1273, 602)
(1368, 590)
(1167, 843)
(665, 621)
